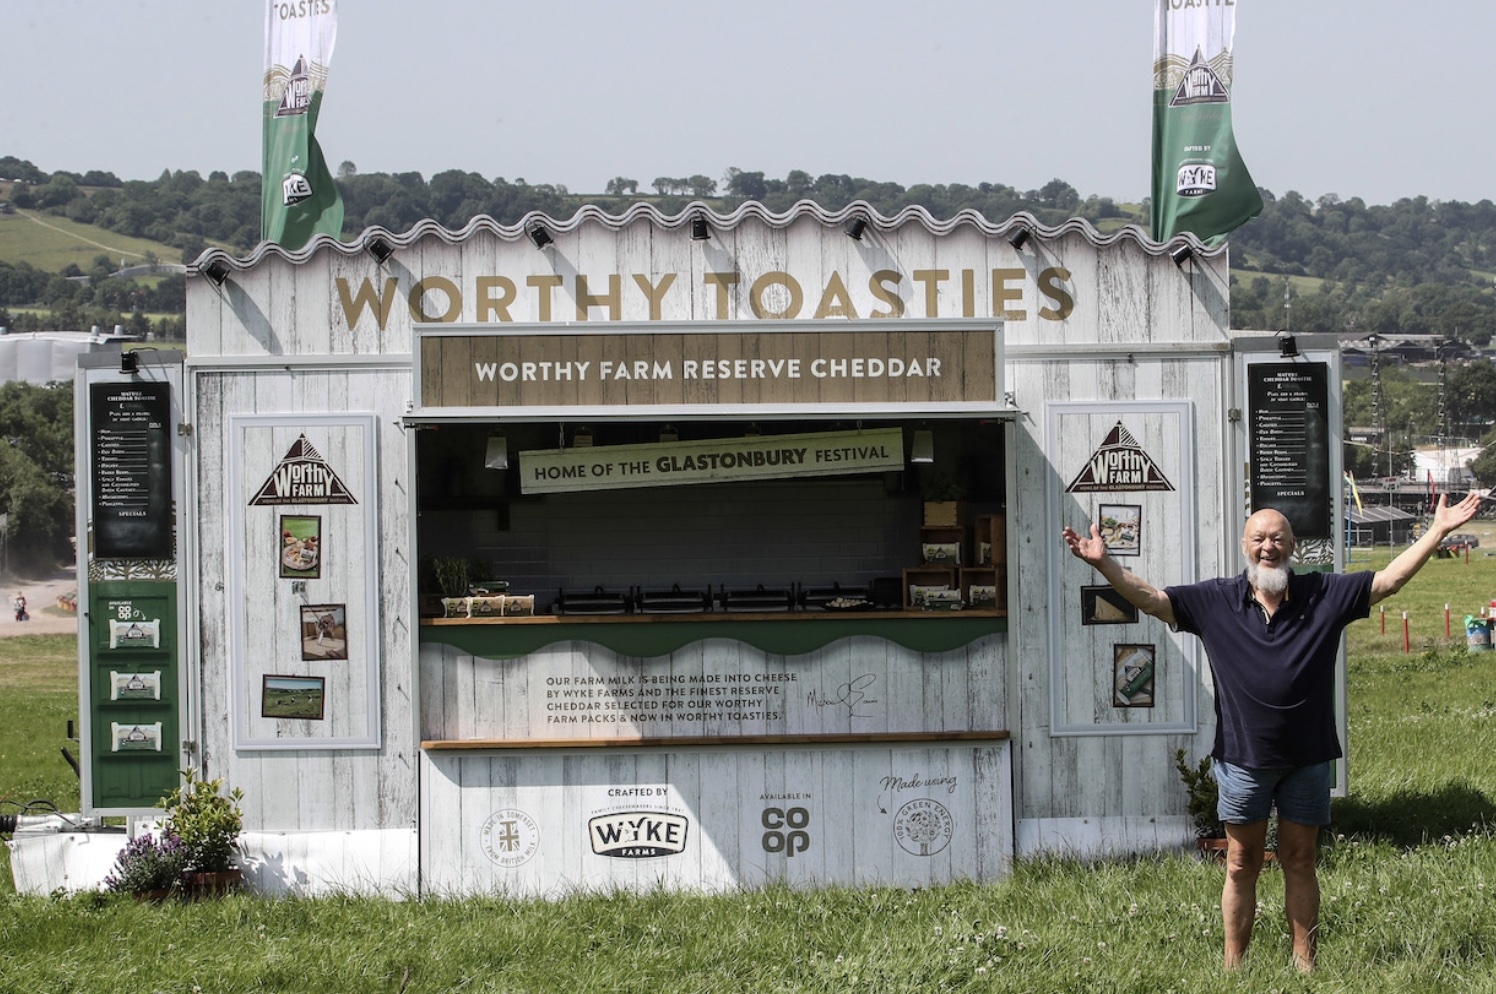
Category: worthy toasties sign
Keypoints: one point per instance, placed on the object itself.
(929, 366)
(717, 460)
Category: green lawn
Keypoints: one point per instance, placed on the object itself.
(49, 243)
(1408, 875)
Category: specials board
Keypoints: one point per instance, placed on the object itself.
(130, 430)
(1290, 436)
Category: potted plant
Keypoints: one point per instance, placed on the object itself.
(208, 823)
(452, 580)
(943, 493)
(149, 868)
(1203, 792)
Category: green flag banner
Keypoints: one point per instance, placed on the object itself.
(298, 198)
(1200, 183)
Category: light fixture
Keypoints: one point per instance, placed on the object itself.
(1018, 236)
(129, 363)
(855, 229)
(699, 231)
(669, 434)
(922, 448)
(582, 439)
(1181, 254)
(1288, 347)
(496, 455)
(540, 236)
(380, 249)
(216, 271)
(752, 431)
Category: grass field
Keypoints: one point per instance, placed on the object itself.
(49, 243)
(1408, 876)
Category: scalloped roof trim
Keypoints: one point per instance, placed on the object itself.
(648, 213)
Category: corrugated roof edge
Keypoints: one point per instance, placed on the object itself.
(721, 222)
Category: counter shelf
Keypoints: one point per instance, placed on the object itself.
(781, 633)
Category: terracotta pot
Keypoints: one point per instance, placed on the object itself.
(213, 883)
(153, 896)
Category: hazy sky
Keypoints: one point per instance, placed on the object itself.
(1368, 98)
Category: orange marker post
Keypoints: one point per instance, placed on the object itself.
(1406, 645)
(1446, 621)
(1383, 611)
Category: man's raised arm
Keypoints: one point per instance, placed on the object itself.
(1139, 592)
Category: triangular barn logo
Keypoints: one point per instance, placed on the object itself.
(303, 477)
(1201, 85)
(1119, 464)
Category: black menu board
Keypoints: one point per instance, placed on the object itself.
(130, 425)
(1288, 421)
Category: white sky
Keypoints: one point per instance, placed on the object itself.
(1372, 99)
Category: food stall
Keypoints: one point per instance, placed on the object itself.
(695, 550)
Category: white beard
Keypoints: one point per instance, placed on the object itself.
(1268, 579)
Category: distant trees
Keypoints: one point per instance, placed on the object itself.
(36, 471)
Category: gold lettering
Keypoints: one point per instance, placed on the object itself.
(654, 293)
(968, 293)
(608, 300)
(723, 282)
(418, 300)
(544, 284)
(761, 286)
(932, 278)
(488, 304)
(836, 302)
(365, 297)
(879, 285)
(1002, 292)
(1051, 284)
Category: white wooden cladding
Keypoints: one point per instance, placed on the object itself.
(305, 789)
(856, 685)
(522, 824)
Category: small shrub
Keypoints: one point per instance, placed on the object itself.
(1204, 795)
(207, 822)
(146, 864)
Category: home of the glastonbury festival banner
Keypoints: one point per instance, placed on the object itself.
(1200, 183)
(298, 198)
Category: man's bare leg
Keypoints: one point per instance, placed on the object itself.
(1246, 845)
(1297, 847)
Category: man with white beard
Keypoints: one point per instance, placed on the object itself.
(1272, 635)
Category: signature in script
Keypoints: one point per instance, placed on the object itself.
(852, 696)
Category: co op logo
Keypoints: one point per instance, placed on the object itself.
(786, 830)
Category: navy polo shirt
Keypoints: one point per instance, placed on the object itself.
(1274, 678)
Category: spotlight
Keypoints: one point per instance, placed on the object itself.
(699, 231)
(922, 448)
(129, 363)
(540, 236)
(496, 455)
(216, 271)
(1288, 347)
(1181, 254)
(380, 249)
(1018, 236)
(856, 228)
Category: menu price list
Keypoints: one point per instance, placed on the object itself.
(131, 470)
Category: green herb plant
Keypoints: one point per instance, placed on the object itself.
(206, 821)
(1203, 796)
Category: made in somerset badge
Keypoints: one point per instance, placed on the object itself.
(509, 837)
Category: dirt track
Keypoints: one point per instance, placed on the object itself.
(41, 604)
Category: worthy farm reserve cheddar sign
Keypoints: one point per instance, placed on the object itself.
(928, 366)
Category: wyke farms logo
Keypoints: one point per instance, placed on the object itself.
(638, 834)
(1119, 464)
(303, 477)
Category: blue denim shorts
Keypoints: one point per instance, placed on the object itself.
(1301, 793)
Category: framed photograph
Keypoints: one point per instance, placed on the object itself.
(1132, 676)
(324, 631)
(1104, 606)
(1122, 527)
(302, 697)
(300, 547)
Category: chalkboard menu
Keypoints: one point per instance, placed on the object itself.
(130, 424)
(1288, 405)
